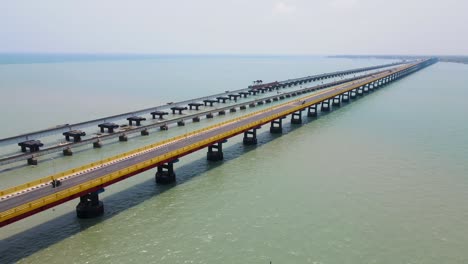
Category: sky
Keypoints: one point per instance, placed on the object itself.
(315, 27)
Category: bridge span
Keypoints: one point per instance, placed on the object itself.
(85, 182)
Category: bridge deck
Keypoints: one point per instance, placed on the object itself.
(32, 197)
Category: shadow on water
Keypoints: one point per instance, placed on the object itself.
(27, 242)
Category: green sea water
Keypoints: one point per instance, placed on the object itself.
(380, 180)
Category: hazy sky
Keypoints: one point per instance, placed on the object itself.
(237, 26)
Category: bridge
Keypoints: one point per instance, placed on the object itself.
(87, 181)
(31, 140)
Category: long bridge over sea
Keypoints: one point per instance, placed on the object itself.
(75, 135)
(87, 181)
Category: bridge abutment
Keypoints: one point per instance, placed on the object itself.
(90, 206)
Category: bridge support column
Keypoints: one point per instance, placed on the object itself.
(276, 126)
(196, 119)
(217, 154)
(89, 206)
(32, 161)
(325, 107)
(296, 117)
(250, 137)
(336, 101)
(67, 152)
(144, 132)
(97, 144)
(345, 97)
(312, 111)
(353, 94)
(360, 90)
(165, 173)
(123, 138)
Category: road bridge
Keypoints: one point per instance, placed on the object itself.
(85, 182)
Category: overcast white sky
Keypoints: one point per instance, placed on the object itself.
(235, 27)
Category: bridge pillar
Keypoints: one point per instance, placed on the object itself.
(296, 117)
(97, 144)
(336, 101)
(325, 107)
(67, 152)
(217, 154)
(165, 173)
(276, 126)
(345, 97)
(144, 132)
(209, 115)
(32, 161)
(365, 89)
(353, 94)
(250, 137)
(312, 110)
(123, 138)
(89, 206)
(196, 119)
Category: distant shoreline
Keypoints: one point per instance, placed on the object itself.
(452, 58)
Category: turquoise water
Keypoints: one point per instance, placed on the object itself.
(380, 180)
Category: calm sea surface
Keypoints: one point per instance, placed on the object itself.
(383, 179)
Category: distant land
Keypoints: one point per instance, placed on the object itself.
(446, 58)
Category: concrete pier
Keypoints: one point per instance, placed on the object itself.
(196, 119)
(67, 152)
(276, 126)
(33, 145)
(160, 114)
(165, 173)
(109, 126)
(123, 138)
(233, 96)
(97, 144)
(296, 117)
(75, 134)
(312, 111)
(181, 123)
(136, 119)
(89, 206)
(178, 108)
(250, 136)
(222, 98)
(336, 101)
(244, 94)
(215, 151)
(195, 105)
(325, 106)
(144, 132)
(210, 102)
(210, 115)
